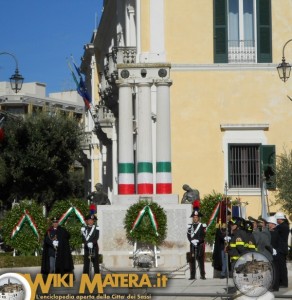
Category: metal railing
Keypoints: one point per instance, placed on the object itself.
(241, 51)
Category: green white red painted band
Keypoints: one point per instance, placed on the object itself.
(126, 179)
(145, 178)
(163, 178)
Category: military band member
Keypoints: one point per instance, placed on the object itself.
(90, 235)
(196, 236)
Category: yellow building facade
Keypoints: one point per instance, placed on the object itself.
(226, 98)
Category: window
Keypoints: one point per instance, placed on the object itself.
(244, 166)
(247, 164)
(242, 31)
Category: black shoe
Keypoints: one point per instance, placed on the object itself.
(222, 277)
(283, 286)
(192, 278)
(203, 277)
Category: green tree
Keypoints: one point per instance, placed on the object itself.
(38, 154)
(284, 180)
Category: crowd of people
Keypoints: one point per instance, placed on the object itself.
(235, 237)
(268, 237)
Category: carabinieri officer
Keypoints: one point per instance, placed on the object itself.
(90, 235)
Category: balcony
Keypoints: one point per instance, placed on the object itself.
(241, 52)
(124, 55)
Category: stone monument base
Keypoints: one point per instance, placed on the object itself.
(113, 244)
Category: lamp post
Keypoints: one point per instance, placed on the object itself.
(16, 80)
(284, 68)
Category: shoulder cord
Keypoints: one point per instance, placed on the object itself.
(90, 233)
(195, 231)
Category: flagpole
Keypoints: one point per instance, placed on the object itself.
(267, 199)
(264, 212)
(78, 84)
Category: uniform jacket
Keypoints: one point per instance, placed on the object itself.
(237, 243)
(263, 242)
(196, 234)
(283, 230)
(91, 234)
(250, 244)
(64, 260)
(275, 242)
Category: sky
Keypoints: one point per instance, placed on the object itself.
(42, 35)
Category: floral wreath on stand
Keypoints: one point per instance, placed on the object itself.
(146, 222)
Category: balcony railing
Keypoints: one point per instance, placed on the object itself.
(242, 51)
(124, 55)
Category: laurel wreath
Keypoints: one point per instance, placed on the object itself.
(141, 228)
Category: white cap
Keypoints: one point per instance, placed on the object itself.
(272, 220)
(280, 215)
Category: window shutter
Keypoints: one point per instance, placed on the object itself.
(264, 31)
(220, 31)
(268, 165)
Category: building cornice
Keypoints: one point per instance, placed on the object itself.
(225, 127)
(223, 67)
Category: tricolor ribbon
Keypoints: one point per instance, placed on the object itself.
(25, 217)
(140, 216)
(214, 215)
(71, 210)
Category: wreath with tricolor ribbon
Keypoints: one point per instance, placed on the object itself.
(71, 214)
(146, 222)
(26, 217)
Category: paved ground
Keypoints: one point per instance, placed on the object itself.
(178, 287)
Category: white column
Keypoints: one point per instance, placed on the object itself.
(144, 147)
(114, 160)
(163, 138)
(126, 153)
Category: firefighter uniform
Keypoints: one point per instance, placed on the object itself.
(250, 244)
(238, 240)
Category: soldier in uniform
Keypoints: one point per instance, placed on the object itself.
(57, 257)
(90, 235)
(262, 237)
(236, 246)
(196, 236)
(283, 230)
(99, 197)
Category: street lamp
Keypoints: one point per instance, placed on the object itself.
(16, 80)
(284, 68)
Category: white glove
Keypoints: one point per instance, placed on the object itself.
(195, 242)
(55, 243)
(227, 238)
(274, 251)
(82, 229)
(90, 245)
